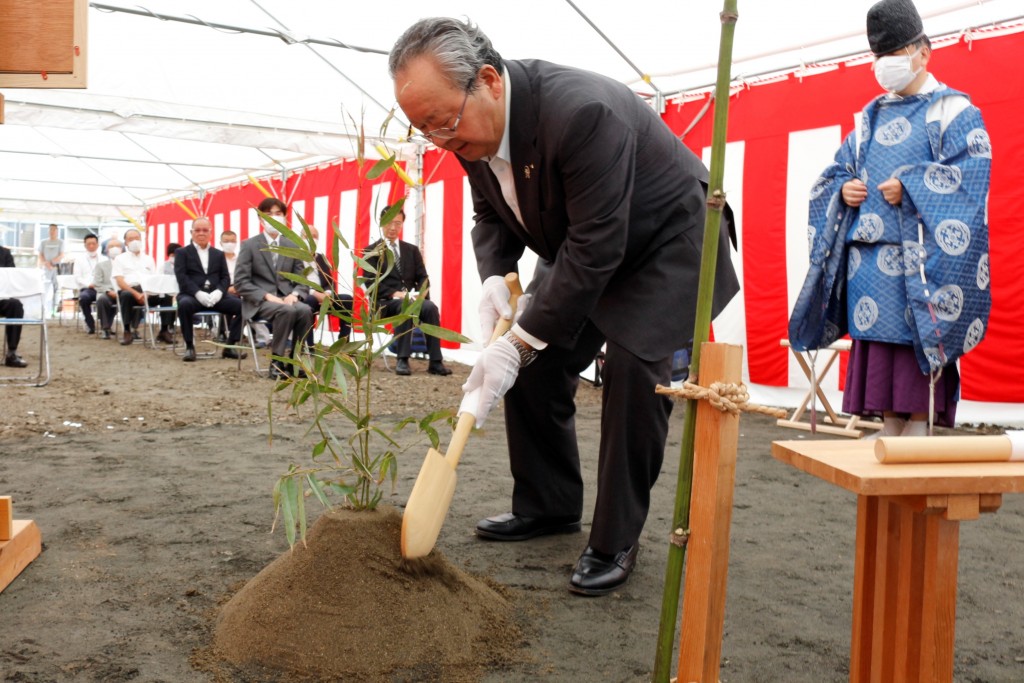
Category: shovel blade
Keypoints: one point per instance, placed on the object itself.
(428, 506)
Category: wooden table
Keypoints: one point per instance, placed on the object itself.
(905, 572)
(815, 369)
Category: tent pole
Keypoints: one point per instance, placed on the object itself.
(702, 326)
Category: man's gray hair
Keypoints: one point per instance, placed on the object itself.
(460, 48)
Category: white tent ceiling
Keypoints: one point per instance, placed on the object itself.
(174, 107)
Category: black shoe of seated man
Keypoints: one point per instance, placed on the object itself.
(599, 573)
(278, 371)
(190, 355)
(127, 338)
(13, 360)
(91, 330)
(105, 334)
(136, 335)
(513, 527)
(164, 337)
(437, 367)
(234, 354)
(402, 367)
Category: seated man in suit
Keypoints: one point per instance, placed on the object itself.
(11, 308)
(322, 273)
(105, 288)
(128, 271)
(406, 278)
(267, 295)
(203, 281)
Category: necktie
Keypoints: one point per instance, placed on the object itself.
(398, 264)
(273, 254)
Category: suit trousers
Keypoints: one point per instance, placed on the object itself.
(229, 307)
(106, 309)
(287, 322)
(12, 308)
(86, 298)
(543, 452)
(403, 333)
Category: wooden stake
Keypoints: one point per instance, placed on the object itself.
(707, 566)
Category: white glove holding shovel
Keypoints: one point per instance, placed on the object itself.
(494, 373)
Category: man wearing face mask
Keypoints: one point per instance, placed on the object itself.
(902, 213)
(128, 270)
(105, 288)
(265, 293)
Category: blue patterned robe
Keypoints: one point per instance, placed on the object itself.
(917, 273)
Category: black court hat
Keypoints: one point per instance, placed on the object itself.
(893, 24)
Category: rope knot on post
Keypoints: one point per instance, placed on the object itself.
(725, 396)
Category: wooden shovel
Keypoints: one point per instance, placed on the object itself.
(432, 493)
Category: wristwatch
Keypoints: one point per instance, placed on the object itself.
(526, 354)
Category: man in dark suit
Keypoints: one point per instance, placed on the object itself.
(203, 281)
(267, 295)
(405, 279)
(321, 271)
(576, 167)
(11, 308)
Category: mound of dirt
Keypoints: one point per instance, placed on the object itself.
(346, 607)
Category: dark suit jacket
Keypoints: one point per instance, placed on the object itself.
(410, 275)
(255, 275)
(602, 184)
(326, 272)
(6, 258)
(188, 269)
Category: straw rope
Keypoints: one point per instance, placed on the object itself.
(725, 396)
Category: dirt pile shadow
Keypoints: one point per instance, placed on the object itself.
(346, 607)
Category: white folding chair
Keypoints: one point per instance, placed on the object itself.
(67, 292)
(158, 284)
(27, 285)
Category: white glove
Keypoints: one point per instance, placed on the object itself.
(493, 305)
(215, 296)
(203, 298)
(521, 305)
(494, 373)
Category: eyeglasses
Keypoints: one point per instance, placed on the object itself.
(441, 134)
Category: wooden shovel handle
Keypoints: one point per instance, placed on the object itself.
(515, 291)
(459, 438)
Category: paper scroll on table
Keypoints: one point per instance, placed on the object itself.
(909, 449)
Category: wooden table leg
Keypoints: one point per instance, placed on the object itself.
(904, 596)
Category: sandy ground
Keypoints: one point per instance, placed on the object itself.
(150, 480)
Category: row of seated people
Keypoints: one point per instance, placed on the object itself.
(243, 283)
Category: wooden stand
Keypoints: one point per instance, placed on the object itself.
(20, 543)
(707, 562)
(908, 534)
(830, 422)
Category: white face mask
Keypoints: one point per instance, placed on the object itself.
(895, 72)
(135, 247)
(113, 252)
(229, 247)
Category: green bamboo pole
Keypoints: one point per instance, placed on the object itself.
(702, 326)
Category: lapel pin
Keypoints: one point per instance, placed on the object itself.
(526, 170)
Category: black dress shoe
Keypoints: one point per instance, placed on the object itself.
(127, 339)
(598, 573)
(91, 330)
(13, 360)
(234, 354)
(513, 527)
(402, 367)
(105, 334)
(278, 372)
(190, 355)
(164, 337)
(437, 367)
